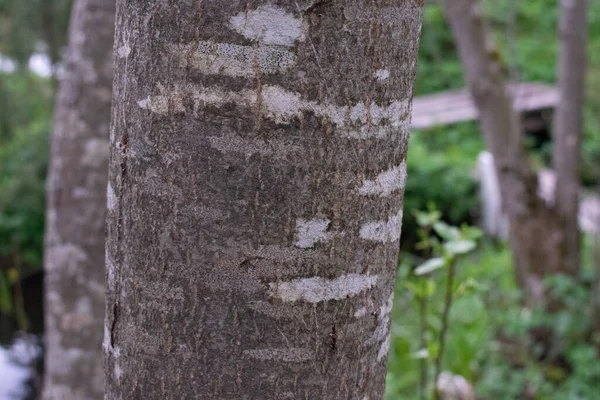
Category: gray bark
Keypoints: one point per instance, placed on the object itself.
(76, 208)
(534, 231)
(568, 126)
(257, 168)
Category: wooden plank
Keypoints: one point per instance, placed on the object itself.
(457, 106)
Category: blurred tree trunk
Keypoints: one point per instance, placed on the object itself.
(255, 192)
(76, 208)
(535, 234)
(568, 126)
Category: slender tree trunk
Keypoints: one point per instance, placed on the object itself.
(255, 197)
(568, 126)
(76, 208)
(535, 234)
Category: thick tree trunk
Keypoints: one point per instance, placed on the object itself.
(535, 234)
(76, 208)
(568, 126)
(255, 197)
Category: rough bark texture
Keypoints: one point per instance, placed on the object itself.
(257, 169)
(568, 126)
(76, 208)
(535, 235)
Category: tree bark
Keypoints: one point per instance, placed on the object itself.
(76, 208)
(257, 169)
(568, 127)
(535, 234)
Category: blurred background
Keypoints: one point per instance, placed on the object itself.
(495, 346)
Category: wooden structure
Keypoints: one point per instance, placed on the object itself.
(457, 106)
(535, 103)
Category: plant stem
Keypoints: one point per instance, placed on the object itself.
(444, 329)
(423, 345)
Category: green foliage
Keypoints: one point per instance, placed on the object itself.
(441, 171)
(427, 341)
(27, 26)
(23, 159)
(493, 340)
(563, 365)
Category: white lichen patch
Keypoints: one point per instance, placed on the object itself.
(111, 198)
(230, 143)
(383, 326)
(382, 74)
(384, 349)
(234, 60)
(355, 121)
(156, 104)
(360, 120)
(106, 340)
(386, 182)
(383, 231)
(311, 232)
(361, 312)
(123, 51)
(382, 331)
(268, 24)
(317, 289)
(292, 354)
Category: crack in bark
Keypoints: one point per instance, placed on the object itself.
(113, 325)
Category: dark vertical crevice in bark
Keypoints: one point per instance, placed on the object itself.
(76, 208)
(254, 217)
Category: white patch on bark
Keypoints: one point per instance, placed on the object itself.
(233, 59)
(230, 143)
(106, 340)
(156, 104)
(268, 24)
(386, 182)
(383, 231)
(361, 312)
(311, 232)
(382, 331)
(372, 120)
(317, 289)
(123, 51)
(384, 349)
(95, 153)
(111, 198)
(382, 74)
(165, 102)
(292, 354)
(358, 121)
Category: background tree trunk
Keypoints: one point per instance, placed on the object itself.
(76, 208)
(258, 157)
(568, 126)
(535, 234)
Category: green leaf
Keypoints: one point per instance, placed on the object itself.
(460, 246)
(420, 355)
(427, 218)
(471, 232)
(430, 266)
(446, 231)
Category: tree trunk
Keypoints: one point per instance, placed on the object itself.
(257, 168)
(568, 126)
(76, 208)
(535, 234)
